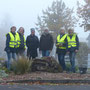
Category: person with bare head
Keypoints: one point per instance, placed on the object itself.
(61, 48)
(11, 45)
(46, 43)
(73, 47)
(21, 30)
(21, 43)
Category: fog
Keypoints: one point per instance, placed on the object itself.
(24, 13)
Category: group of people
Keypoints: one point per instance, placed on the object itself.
(16, 44)
(67, 44)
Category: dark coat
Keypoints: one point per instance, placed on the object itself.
(46, 42)
(22, 41)
(32, 43)
(7, 48)
(21, 47)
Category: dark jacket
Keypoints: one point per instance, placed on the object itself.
(7, 48)
(22, 41)
(58, 50)
(73, 48)
(32, 43)
(46, 42)
(21, 47)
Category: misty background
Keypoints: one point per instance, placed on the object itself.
(24, 13)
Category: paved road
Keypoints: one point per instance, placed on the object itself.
(44, 87)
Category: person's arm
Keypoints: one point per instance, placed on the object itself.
(66, 44)
(7, 40)
(52, 42)
(27, 42)
(40, 43)
(7, 48)
(37, 42)
(77, 42)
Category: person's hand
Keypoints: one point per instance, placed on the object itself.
(8, 51)
(59, 45)
(76, 51)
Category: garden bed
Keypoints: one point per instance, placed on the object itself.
(47, 76)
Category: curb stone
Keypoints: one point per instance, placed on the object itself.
(50, 81)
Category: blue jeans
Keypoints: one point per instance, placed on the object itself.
(9, 56)
(72, 60)
(62, 61)
(45, 53)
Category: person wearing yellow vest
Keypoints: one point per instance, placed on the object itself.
(11, 44)
(21, 43)
(61, 48)
(73, 47)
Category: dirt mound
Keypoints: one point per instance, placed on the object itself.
(47, 64)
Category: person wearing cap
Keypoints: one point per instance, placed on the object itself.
(73, 47)
(21, 43)
(61, 48)
(11, 45)
(46, 43)
(32, 43)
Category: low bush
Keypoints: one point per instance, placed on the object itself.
(21, 66)
(1, 58)
(68, 67)
(3, 73)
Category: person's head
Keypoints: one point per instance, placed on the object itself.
(46, 30)
(21, 30)
(32, 31)
(13, 29)
(62, 31)
(70, 31)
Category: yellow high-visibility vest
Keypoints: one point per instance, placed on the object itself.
(13, 41)
(19, 41)
(61, 41)
(71, 41)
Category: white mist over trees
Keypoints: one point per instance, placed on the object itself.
(83, 12)
(56, 17)
(5, 25)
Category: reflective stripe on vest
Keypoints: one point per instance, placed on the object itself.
(13, 41)
(61, 41)
(19, 41)
(71, 41)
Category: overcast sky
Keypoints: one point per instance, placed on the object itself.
(24, 12)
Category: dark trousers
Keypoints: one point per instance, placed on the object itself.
(45, 53)
(61, 60)
(32, 53)
(20, 53)
(10, 56)
(72, 60)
